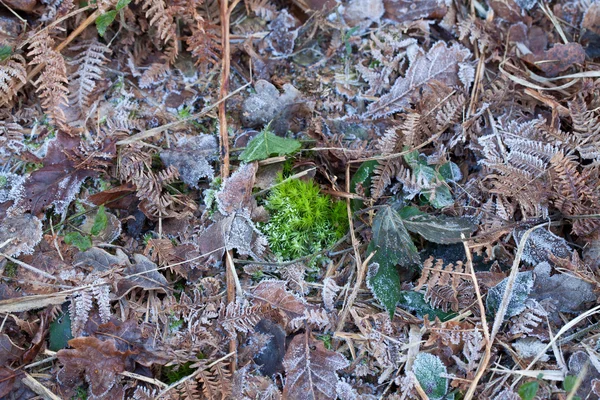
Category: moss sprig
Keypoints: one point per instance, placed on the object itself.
(303, 221)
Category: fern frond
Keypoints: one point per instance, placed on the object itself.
(154, 75)
(447, 285)
(586, 129)
(204, 42)
(238, 317)
(12, 71)
(52, 84)
(90, 59)
(383, 175)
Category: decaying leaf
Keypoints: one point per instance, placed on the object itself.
(275, 294)
(192, 158)
(61, 177)
(144, 274)
(99, 362)
(20, 234)
(311, 369)
(567, 292)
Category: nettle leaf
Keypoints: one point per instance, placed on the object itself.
(440, 229)
(78, 240)
(267, 144)
(428, 369)
(434, 186)
(393, 246)
(5, 52)
(521, 289)
(104, 21)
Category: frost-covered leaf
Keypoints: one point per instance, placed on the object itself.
(440, 63)
(20, 234)
(11, 186)
(428, 369)
(520, 292)
(236, 193)
(311, 369)
(540, 243)
(275, 294)
(263, 106)
(241, 234)
(192, 157)
(394, 246)
(567, 292)
(362, 179)
(526, 4)
(59, 180)
(267, 144)
(100, 260)
(441, 228)
(530, 347)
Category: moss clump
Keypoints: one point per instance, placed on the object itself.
(303, 221)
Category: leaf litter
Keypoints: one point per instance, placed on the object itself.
(142, 235)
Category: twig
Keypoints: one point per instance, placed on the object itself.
(28, 267)
(232, 281)
(500, 313)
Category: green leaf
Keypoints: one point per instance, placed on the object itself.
(362, 176)
(60, 332)
(428, 369)
(121, 4)
(415, 301)
(528, 390)
(267, 144)
(439, 229)
(521, 289)
(393, 246)
(78, 240)
(5, 52)
(100, 222)
(569, 384)
(450, 172)
(103, 21)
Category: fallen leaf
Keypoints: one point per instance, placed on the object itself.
(311, 369)
(440, 63)
(558, 59)
(567, 292)
(192, 157)
(23, 231)
(99, 362)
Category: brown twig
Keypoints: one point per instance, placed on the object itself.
(225, 12)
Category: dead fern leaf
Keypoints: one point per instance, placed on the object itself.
(12, 71)
(448, 286)
(90, 58)
(52, 84)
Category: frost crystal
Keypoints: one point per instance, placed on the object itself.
(540, 243)
(530, 347)
(11, 187)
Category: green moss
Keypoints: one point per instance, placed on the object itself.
(303, 221)
(175, 373)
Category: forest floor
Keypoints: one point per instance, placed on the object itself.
(300, 199)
